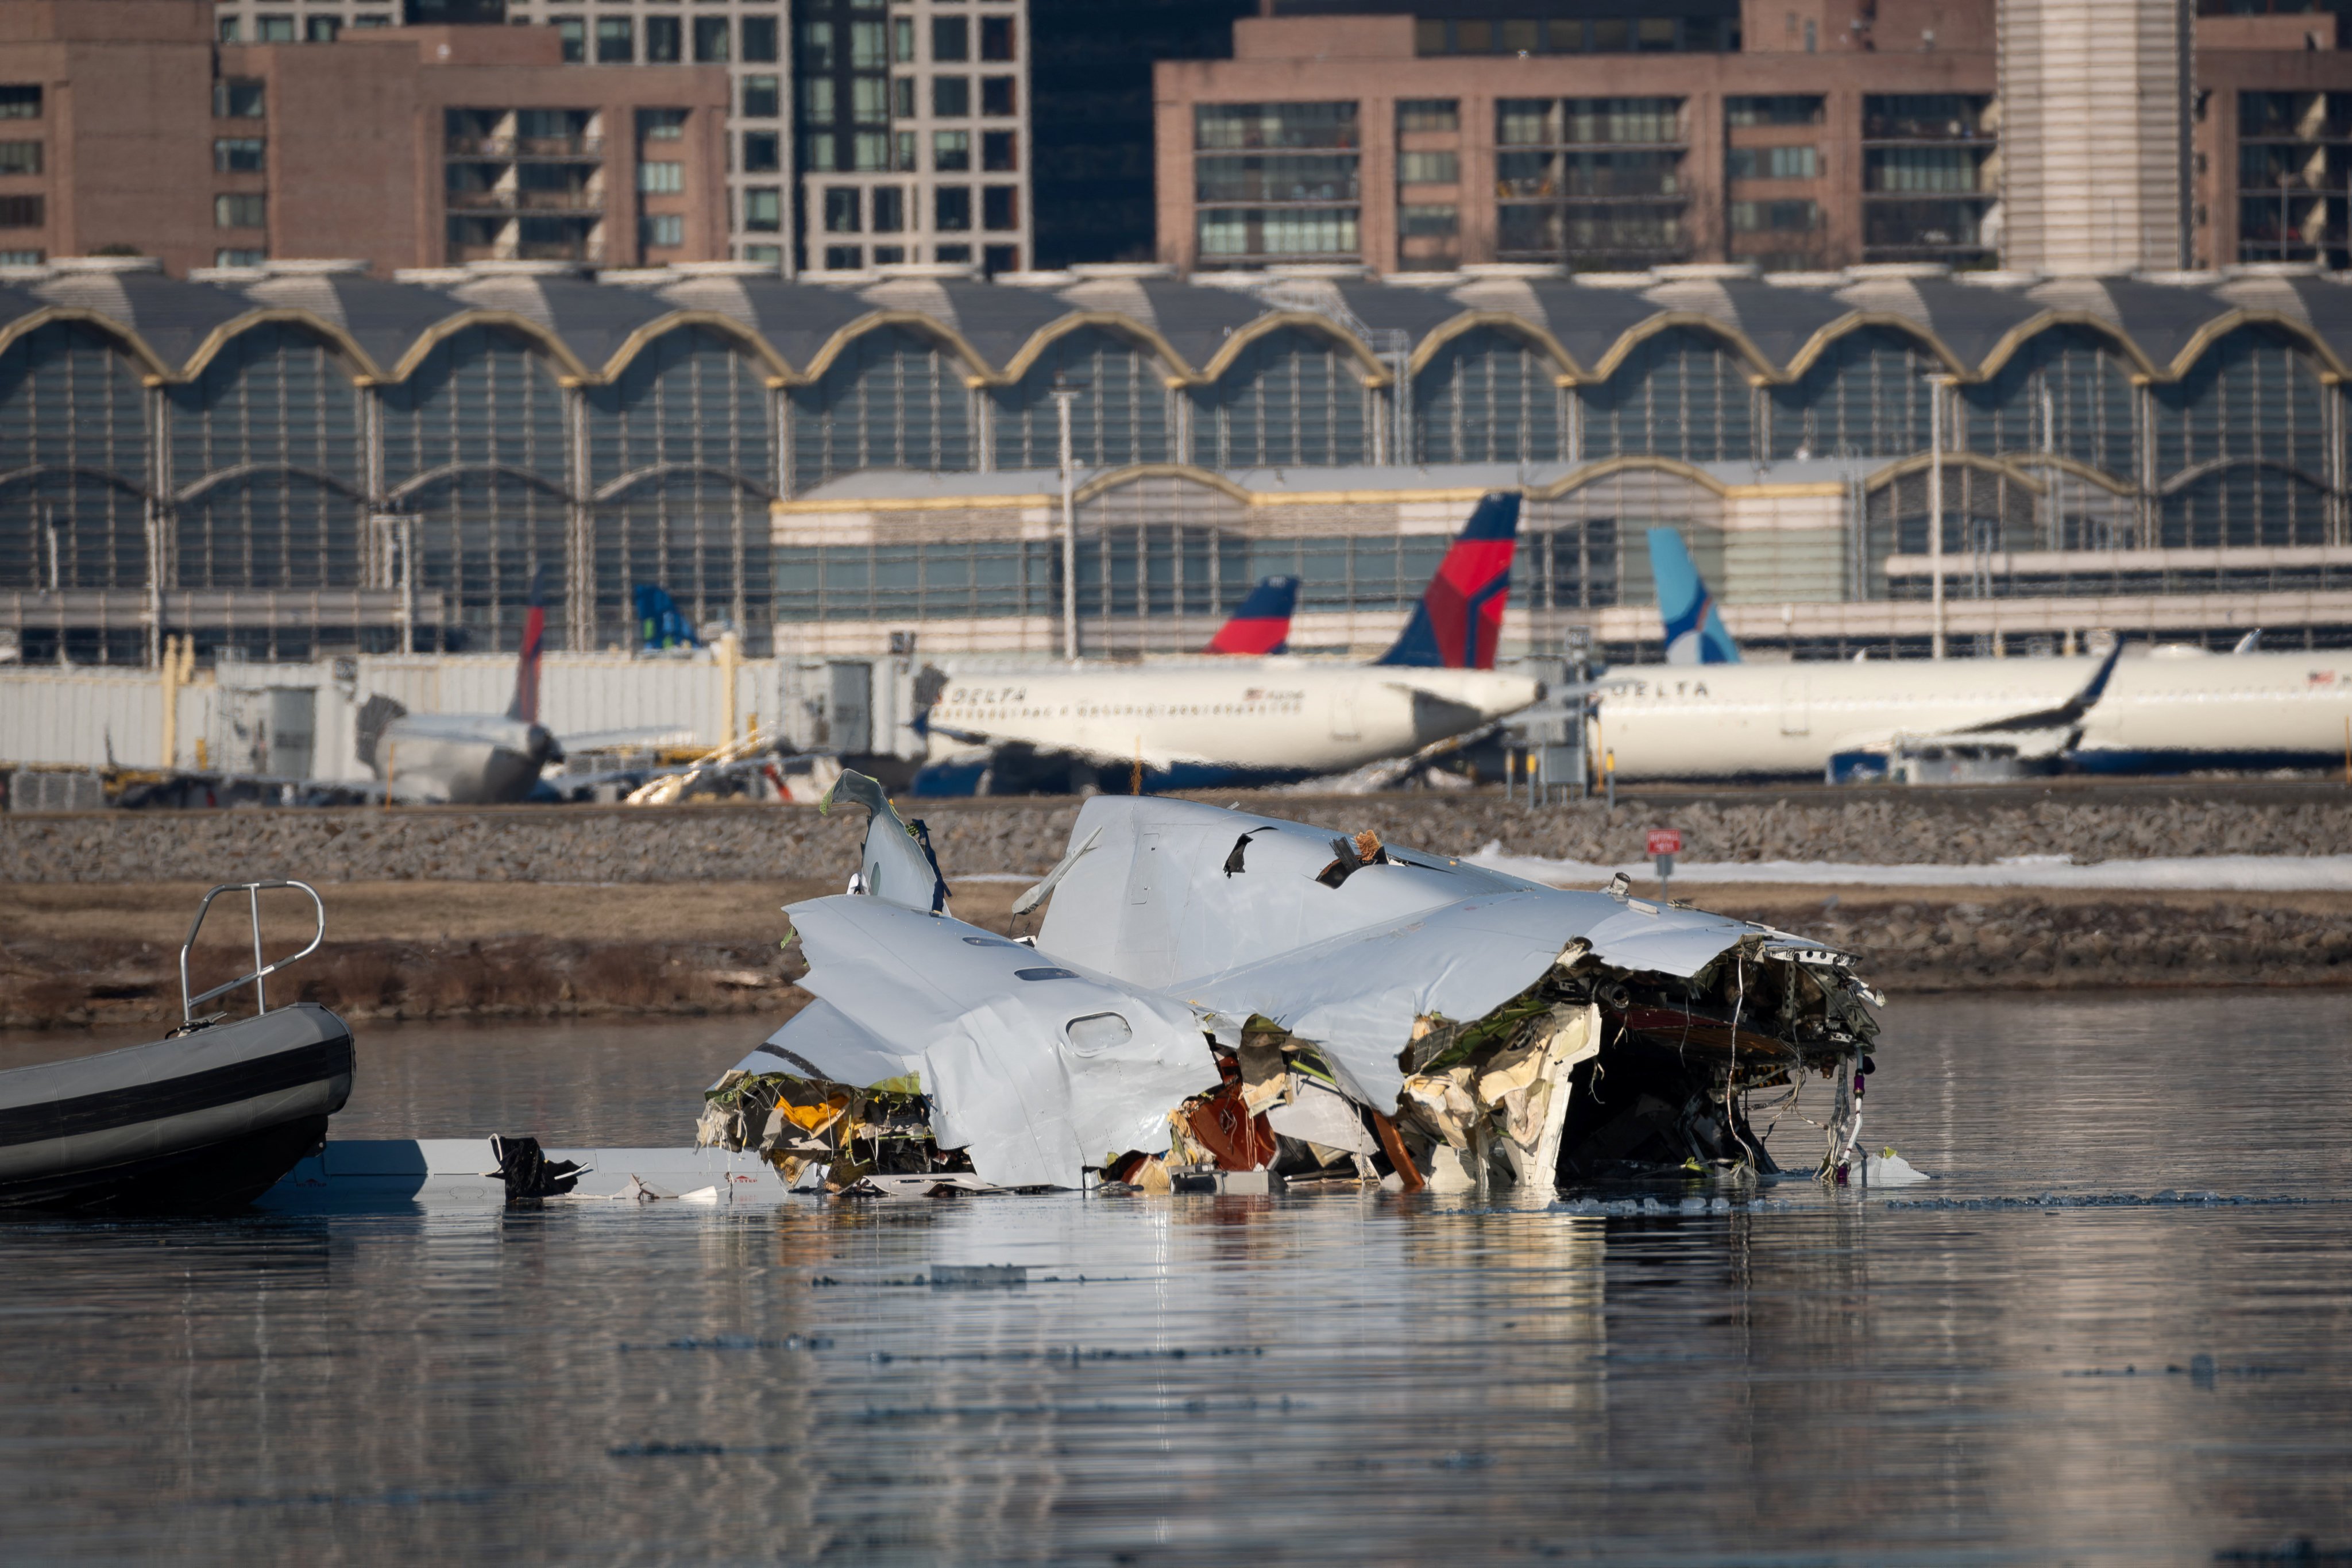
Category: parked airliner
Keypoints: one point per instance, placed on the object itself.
(2166, 709)
(1219, 722)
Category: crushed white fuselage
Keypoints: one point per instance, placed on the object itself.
(1212, 988)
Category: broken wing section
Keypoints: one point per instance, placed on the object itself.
(1034, 1069)
(895, 862)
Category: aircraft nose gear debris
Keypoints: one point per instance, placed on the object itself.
(1310, 1003)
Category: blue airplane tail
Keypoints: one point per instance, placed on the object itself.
(660, 623)
(1460, 617)
(1695, 631)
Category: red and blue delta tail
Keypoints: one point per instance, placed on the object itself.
(1262, 625)
(1460, 617)
(525, 705)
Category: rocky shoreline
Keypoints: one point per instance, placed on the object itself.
(722, 843)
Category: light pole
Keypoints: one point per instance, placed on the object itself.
(1936, 385)
(1065, 393)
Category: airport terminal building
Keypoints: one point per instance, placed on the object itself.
(301, 459)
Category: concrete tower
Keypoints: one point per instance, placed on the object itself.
(2095, 133)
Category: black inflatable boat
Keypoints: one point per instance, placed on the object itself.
(207, 1118)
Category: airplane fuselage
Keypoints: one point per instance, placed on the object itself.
(462, 758)
(1254, 718)
(2157, 713)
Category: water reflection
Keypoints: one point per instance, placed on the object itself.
(1327, 1378)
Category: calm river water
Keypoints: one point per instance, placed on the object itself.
(1311, 1379)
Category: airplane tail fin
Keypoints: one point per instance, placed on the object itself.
(660, 622)
(1695, 630)
(1460, 617)
(525, 705)
(1262, 625)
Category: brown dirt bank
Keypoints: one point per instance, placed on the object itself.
(108, 953)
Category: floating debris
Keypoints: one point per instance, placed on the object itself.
(1220, 1001)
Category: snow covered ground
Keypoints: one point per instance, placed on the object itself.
(2203, 873)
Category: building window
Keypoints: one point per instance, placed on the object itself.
(773, 254)
(1233, 233)
(1775, 217)
(274, 29)
(950, 38)
(1429, 114)
(661, 124)
(22, 212)
(817, 152)
(241, 209)
(20, 157)
(761, 100)
(764, 209)
(840, 205)
(902, 41)
(760, 40)
(889, 209)
(235, 156)
(664, 231)
(1000, 152)
(816, 101)
(889, 255)
(1429, 168)
(661, 179)
(20, 100)
(844, 259)
(574, 33)
(229, 257)
(869, 46)
(1773, 163)
(616, 41)
(1779, 109)
(362, 24)
(762, 151)
(997, 96)
(951, 151)
(951, 208)
(710, 41)
(235, 98)
(20, 258)
(951, 97)
(664, 40)
(996, 39)
(229, 30)
(870, 150)
(322, 29)
(902, 97)
(996, 259)
(951, 252)
(1245, 125)
(869, 99)
(1429, 221)
(902, 151)
(1000, 206)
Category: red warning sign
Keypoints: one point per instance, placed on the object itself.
(1665, 841)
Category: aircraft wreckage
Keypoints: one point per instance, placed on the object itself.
(1211, 991)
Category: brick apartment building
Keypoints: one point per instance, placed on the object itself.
(1800, 135)
(124, 125)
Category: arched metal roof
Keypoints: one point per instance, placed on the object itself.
(2163, 322)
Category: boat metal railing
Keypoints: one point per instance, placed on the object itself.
(253, 892)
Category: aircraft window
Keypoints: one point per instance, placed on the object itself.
(1044, 975)
(1097, 1032)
